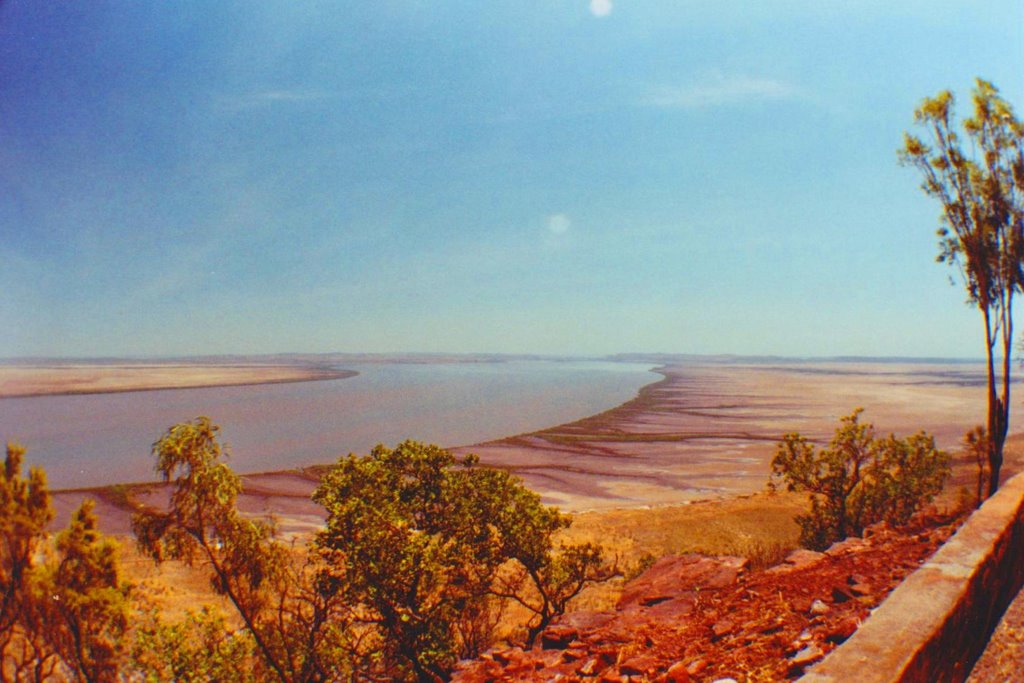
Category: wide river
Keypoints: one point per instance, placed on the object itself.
(102, 439)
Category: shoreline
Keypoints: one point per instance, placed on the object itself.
(284, 494)
(39, 381)
(700, 433)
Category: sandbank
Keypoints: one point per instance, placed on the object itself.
(90, 378)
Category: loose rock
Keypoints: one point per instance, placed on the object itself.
(678, 673)
(819, 607)
(668, 621)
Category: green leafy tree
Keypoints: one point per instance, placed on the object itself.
(982, 225)
(25, 510)
(298, 629)
(421, 543)
(403, 539)
(419, 555)
(904, 475)
(64, 608)
(82, 603)
(858, 479)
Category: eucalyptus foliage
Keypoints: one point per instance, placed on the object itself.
(978, 178)
(298, 631)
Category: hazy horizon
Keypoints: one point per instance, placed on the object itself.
(572, 178)
(398, 356)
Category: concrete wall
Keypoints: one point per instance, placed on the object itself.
(936, 623)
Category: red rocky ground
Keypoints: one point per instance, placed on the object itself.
(697, 618)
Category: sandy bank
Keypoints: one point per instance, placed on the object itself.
(42, 380)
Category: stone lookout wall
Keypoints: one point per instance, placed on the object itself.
(936, 624)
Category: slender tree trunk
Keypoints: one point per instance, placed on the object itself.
(996, 410)
(545, 613)
(1004, 414)
(247, 617)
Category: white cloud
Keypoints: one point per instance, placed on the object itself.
(289, 96)
(717, 91)
(559, 223)
(600, 8)
(267, 98)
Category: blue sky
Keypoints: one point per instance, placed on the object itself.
(556, 176)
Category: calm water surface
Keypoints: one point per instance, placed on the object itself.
(106, 438)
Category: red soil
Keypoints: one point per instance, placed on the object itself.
(692, 618)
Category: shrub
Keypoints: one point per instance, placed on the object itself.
(858, 479)
(428, 547)
(198, 648)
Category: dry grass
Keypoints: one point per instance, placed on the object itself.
(961, 487)
(171, 586)
(759, 527)
(713, 527)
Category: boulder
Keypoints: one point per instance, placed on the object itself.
(850, 545)
(673, 576)
(723, 627)
(801, 557)
(641, 665)
(558, 637)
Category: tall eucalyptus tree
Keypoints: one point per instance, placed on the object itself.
(979, 180)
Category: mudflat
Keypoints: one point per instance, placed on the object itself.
(707, 430)
(91, 378)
